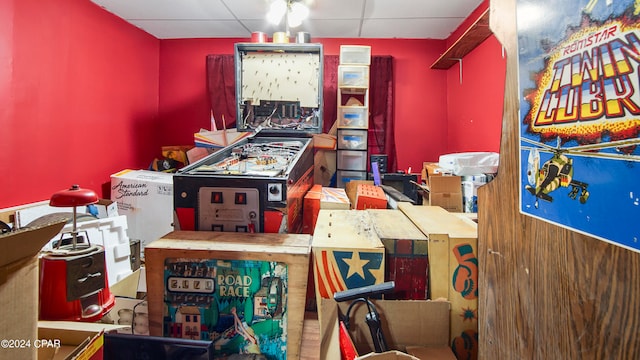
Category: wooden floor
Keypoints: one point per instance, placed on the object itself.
(310, 347)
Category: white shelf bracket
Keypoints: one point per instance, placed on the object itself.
(459, 62)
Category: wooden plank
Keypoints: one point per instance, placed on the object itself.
(335, 226)
(478, 32)
(436, 220)
(546, 292)
(258, 243)
(393, 224)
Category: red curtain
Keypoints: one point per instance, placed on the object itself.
(381, 139)
(221, 87)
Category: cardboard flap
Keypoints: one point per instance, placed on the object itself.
(78, 340)
(329, 329)
(27, 242)
(388, 355)
(127, 287)
(434, 353)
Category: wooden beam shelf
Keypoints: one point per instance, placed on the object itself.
(478, 32)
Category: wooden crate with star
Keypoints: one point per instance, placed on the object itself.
(347, 252)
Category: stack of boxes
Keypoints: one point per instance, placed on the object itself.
(353, 113)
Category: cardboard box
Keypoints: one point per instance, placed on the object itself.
(370, 197)
(405, 324)
(71, 340)
(453, 269)
(220, 279)
(105, 208)
(347, 252)
(146, 198)
(407, 262)
(19, 285)
(324, 141)
(433, 168)
(324, 166)
(425, 352)
(441, 188)
(446, 192)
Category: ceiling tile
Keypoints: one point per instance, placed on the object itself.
(436, 28)
(176, 29)
(333, 28)
(384, 9)
(248, 9)
(336, 9)
(329, 18)
(167, 9)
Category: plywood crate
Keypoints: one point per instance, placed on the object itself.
(261, 277)
(407, 262)
(453, 266)
(347, 253)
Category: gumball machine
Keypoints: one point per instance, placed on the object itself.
(73, 279)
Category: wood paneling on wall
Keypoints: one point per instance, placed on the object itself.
(546, 292)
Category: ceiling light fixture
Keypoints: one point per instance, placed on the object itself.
(293, 13)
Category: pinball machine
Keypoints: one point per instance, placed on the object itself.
(258, 183)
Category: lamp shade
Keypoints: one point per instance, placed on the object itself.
(297, 13)
(72, 197)
(276, 11)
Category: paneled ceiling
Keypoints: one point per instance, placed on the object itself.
(404, 19)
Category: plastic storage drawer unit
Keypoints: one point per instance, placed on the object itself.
(343, 177)
(349, 139)
(353, 117)
(353, 76)
(355, 55)
(352, 160)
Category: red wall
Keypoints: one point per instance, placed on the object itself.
(85, 95)
(474, 102)
(79, 95)
(421, 126)
(475, 106)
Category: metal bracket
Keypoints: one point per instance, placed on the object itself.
(459, 62)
